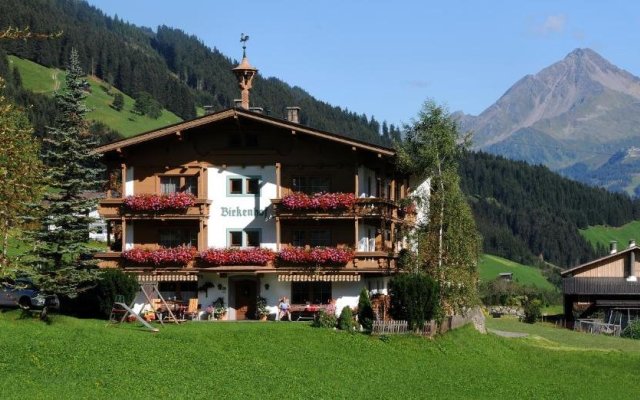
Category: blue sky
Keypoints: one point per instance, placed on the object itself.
(385, 58)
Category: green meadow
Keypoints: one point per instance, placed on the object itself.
(46, 81)
(490, 266)
(605, 234)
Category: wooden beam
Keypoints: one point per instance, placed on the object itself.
(124, 234)
(278, 180)
(356, 183)
(278, 234)
(123, 178)
(357, 235)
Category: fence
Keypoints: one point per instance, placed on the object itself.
(430, 328)
(597, 327)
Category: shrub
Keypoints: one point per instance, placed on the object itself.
(414, 298)
(324, 320)
(345, 322)
(365, 311)
(532, 310)
(632, 331)
(98, 301)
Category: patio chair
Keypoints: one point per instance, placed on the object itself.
(192, 309)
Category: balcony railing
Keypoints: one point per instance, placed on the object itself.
(115, 208)
(363, 207)
(594, 286)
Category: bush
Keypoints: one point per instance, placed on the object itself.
(414, 298)
(365, 311)
(98, 301)
(324, 320)
(345, 322)
(632, 331)
(532, 310)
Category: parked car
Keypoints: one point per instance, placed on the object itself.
(23, 293)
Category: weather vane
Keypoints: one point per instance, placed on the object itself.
(244, 39)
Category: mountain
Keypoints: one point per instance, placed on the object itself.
(571, 116)
(176, 69)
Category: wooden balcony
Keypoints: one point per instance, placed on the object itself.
(113, 209)
(363, 208)
(363, 262)
(599, 286)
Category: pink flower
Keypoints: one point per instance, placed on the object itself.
(253, 256)
(154, 202)
(181, 255)
(316, 255)
(319, 201)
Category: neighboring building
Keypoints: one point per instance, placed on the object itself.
(608, 284)
(506, 276)
(239, 164)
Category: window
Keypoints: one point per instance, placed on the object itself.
(298, 238)
(247, 186)
(169, 184)
(310, 292)
(177, 237)
(235, 186)
(244, 238)
(320, 238)
(180, 183)
(310, 184)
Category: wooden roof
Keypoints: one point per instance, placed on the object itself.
(586, 265)
(250, 115)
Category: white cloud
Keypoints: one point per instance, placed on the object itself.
(551, 24)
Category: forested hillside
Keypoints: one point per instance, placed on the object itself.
(527, 212)
(176, 69)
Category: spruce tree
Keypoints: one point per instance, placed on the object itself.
(365, 311)
(62, 259)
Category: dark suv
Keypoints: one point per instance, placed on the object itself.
(22, 293)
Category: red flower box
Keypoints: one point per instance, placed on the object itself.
(176, 255)
(155, 202)
(316, 255)
(253, 256)
(319, 201)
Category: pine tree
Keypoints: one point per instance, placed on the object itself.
(62, 261)
(365, 311)
(118, 102)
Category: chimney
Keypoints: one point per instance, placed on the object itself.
(244, 73)
(632, 243)
(293, 114)
(613, 247)
(237, 103)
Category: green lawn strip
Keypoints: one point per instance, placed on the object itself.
(82, 359)
(605, 234)
(490, 266)
(565, 338)
(45, 80)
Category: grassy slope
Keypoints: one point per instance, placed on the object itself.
(45, 80)
(490, 266)
(605, 234)
(293, 360)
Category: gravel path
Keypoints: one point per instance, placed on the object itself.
(508, 334)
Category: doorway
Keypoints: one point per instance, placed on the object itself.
(245, 299)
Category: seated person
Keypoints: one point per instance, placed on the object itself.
(209, 311)
(284, 308)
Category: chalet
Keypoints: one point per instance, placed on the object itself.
(608, 284)
(238, 205)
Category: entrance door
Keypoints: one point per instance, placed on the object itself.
(245, 299)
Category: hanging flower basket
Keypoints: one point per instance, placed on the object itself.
(316, 255)
(155, 202)
(254, 256)
(319, 201)
(181, 255)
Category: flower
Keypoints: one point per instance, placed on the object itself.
(163, 255)
(253, 256)
(316, 255)
(319, 201)
(154, 202)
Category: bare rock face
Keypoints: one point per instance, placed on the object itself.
(477, 318)
(578, 111)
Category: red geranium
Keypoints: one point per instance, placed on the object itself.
(175, 255)
(316, 255)
(253, 256)
(155, 202)
(319, 201)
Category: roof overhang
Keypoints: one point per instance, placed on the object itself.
(571, 271)
(249, 115)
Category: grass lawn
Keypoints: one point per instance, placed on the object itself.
(490, 266)
(605, 234)
(83, 359)
(45, 80)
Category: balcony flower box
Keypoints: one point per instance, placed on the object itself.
(181, 255)
(155, 202)
(316, 255)
(319, 201)
(253, 256)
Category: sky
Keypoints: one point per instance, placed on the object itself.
(385, 58)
